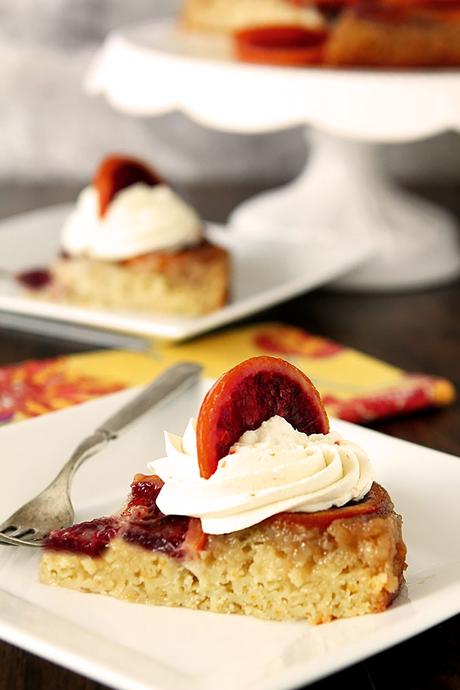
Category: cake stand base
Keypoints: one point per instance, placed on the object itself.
(344, 192)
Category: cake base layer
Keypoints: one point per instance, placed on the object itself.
(277, 570)
(191, 282)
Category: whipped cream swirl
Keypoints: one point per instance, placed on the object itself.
(138, 220)
(268, 471)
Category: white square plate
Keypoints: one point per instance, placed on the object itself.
(264, 273)
(137, 647)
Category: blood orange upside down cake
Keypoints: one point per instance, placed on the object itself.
(336, 33)
(259, 509)
(132, 243)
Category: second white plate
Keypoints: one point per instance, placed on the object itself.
(265, 272)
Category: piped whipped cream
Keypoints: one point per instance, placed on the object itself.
(138, 220)
(268, 471)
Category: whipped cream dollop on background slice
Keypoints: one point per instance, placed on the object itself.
(138, 220)
(268, 471)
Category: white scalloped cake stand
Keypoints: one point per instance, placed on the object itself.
(154, 68)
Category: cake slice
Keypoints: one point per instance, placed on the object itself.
(133, 244)
(281, 540)
(321, 566)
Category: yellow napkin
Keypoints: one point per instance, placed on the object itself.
(353, 385)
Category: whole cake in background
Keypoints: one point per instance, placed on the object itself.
(132, 243)
(348, 33)
(258, 509)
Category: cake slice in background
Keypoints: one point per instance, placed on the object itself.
(131, 243)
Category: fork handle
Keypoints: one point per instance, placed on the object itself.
(173, 380)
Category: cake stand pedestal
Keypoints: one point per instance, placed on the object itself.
(343, 192)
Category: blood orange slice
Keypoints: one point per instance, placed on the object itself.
(246, 396)
(281, 45)
(118, 172)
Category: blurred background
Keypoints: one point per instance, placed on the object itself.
(50, 130)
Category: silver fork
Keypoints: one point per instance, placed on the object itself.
(52, 508)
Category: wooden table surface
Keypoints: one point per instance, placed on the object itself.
(419, 331)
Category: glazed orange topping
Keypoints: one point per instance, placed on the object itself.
(195, 539)
(377, 503)
(281, 45)
(118, 172)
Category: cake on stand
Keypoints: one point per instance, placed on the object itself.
(155, 68)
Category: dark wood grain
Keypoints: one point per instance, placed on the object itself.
(418, 331)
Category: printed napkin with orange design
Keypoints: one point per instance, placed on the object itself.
(353, 385)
